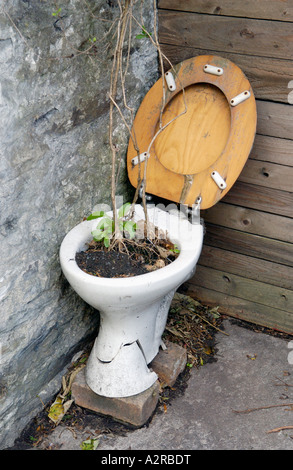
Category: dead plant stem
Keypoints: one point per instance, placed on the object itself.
(282, 428)
(216, 328)
(249, 410)
(121, 30)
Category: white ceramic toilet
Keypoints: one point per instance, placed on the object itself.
(196, 158)
(133, 310)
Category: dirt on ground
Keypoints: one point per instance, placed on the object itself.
(190, 324)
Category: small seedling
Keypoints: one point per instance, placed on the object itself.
(144, 34)
(56, 13)
(175, 249)
(90, 444)
(106, 227)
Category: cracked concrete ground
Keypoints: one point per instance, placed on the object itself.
(253, 373)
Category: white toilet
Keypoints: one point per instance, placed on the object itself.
(217, 130)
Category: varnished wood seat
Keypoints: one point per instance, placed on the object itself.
(212, 136)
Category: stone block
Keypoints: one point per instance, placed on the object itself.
(135, 410)
(169, 363)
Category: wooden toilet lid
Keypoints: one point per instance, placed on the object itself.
(205, 136)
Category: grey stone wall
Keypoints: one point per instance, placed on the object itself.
(54, 167)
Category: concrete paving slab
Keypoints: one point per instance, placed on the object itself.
(248, 374)
(251, 372)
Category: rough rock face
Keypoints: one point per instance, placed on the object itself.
(54, 167)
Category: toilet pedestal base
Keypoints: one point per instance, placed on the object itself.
(135, 410)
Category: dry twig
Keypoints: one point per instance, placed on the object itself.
(249, 410)
(282, 428)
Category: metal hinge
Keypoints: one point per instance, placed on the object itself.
(194, 211)
(148, 197)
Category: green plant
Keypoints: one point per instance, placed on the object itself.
(90, 444)
(175, 249)
(57, 12)
(144, 34)
(105, 229)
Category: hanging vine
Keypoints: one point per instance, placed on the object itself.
(121, 31)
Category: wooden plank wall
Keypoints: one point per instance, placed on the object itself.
(246, 266)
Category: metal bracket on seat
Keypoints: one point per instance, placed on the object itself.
(213, 70)
(220, 182)
(170, 81)
(239, 98)
(139, 158)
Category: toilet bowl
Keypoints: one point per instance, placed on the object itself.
(197, 162)
(133, 310)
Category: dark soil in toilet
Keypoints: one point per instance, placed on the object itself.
(129, 259)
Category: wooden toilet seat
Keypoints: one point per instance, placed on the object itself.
(207, 132)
